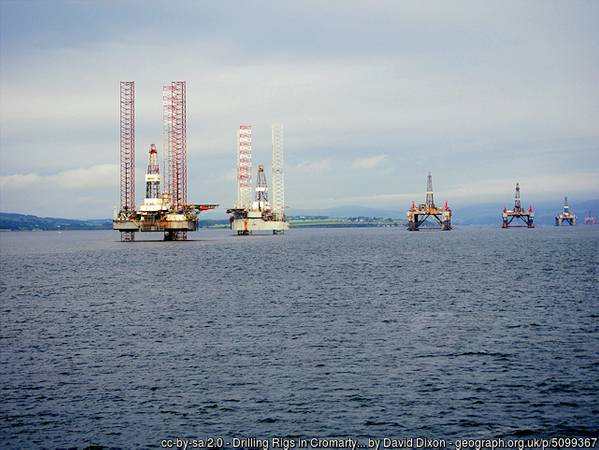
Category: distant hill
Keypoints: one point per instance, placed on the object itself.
(27, 222)
(349, 211)
(22, 222)
(478, 214)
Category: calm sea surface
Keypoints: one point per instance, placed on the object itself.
(473, 333)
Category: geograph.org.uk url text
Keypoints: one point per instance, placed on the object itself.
(380, 443)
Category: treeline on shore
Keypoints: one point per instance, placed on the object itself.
(26, 222)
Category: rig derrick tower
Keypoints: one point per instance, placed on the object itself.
(153, 174)
(257, 214)
(418, 215)
(565, 216)
(155, 203)
(518, 213)
(261, 201)
(430, 202)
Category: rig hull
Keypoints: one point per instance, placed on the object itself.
(562, 219)
(417, 217)
(245, 226)
(526, 218)
(174, 225)
(143, 226)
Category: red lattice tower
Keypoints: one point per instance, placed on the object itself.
(244, 167)
(175, 125)
(127, 141)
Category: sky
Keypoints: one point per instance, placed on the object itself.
(372, 95)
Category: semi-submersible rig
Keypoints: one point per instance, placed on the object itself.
(518, 214)
(166, 210)
(566, 216)
(418, 215)
(255, 212)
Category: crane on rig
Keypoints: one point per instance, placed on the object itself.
(166, 211)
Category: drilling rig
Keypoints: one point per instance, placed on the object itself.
(418, 215)
(256, 213)
(589, 219)
(166, 211)
(565, 216)
(518, 213)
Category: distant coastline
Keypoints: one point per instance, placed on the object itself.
(340, 217)
(28, 222)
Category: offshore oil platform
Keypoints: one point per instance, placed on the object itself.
(565, 216)
(518, 213)
(166, 211)
(589, 219)
(255, 212)
(418, 215)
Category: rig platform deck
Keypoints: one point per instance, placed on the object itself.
(174, 225)
(417, 216)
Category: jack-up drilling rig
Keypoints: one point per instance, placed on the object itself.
(518, 213)
(257, 213)
(417, 215)
(565, 216)
(168, 211)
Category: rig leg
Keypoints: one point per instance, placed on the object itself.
(446, 225)
(127, 236)
(413, 223)
(175, 235)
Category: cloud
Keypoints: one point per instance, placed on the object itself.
(99, 176)
(368, 163)
(533, 188)
(473, 92)
(86, 192)
(311, 167)
(230, 175)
